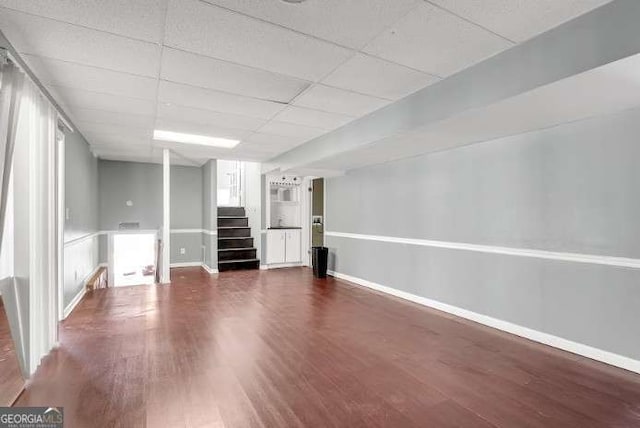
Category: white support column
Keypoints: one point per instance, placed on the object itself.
(166, 216)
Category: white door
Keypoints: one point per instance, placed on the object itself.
(275, 246)
(293, 246)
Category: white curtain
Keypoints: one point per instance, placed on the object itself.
(11, 84)
(34, 223)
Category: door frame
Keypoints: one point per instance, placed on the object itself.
(60, 209)
(111, 248)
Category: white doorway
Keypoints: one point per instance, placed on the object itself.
(133, 259)
(230, 179)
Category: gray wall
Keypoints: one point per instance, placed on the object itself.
(81, 202)
(570, 188)
(186, 213)
(141, 183)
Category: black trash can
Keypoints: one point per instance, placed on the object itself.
(319, 257)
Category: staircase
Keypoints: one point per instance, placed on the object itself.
(235, 244)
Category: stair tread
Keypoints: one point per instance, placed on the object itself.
(231, 216)
(237, 249)
(235, 237)
(238, 261)
(234, 227)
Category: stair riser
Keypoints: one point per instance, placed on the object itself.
(235, 243)
(236, 254)
(233, 233)
(231, 211)
(255, 264)
(228, 222)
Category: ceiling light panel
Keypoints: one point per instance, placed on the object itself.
(190, 127)
(209, 30)
(310, 117)
(139, 19)
(435, 41)
(198, 70)
(224, 102)
(62, 73)
(45, 37)
(349, 23)
(377, 77)
(520, 20)
(335, 100)
(202, 140)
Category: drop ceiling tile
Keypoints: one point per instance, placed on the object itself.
(53, 39)
(139, 19)
(142, 158)
(274, 140)
(115, 133)
(377, 77)
(115, 140)
(349, 23)
(192, 96)
(194, 154)
(310, 117)
(77, 98)
(519, 20)
(130, 150)
(326, 98)
(270, 149)
(226, 120)
(435, 41)
(198, 70)
(290, 130)
(213, 31)
(201, 129)
(79, 114)
(95, 79)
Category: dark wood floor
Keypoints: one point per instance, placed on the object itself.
(280, 349)
(11, 381)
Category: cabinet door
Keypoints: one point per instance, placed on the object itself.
(275, 246)
(293, 246)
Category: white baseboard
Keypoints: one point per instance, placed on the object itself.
(194, 264)
(185, 264)
(78, 297)
(72, 305)
(209, 270)
(537, 336)
(281, 265)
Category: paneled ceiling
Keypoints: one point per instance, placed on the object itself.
(269, 73)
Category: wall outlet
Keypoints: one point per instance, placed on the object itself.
(183, 251)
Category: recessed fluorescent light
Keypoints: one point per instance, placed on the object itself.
(202, 140)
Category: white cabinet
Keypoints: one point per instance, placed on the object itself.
(283, 246)
(292, 247)
(276, 246)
